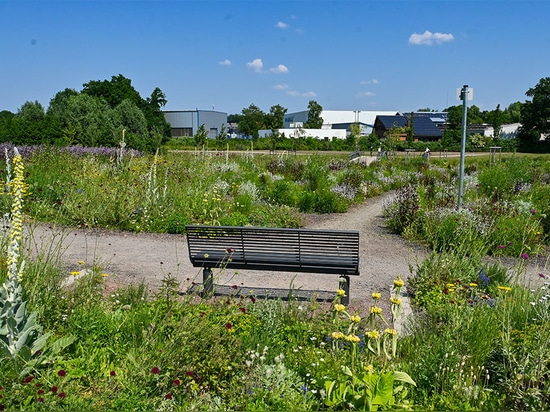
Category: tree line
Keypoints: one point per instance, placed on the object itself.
(104, 113)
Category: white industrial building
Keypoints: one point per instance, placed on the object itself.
(186, 123)
(340, 119)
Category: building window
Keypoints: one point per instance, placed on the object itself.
(182, 131)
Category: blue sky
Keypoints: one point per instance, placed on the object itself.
(226, 55)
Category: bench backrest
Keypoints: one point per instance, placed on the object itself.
(279, 249)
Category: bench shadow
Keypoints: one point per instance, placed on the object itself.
(266, 293)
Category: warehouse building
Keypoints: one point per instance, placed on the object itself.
(186, 123)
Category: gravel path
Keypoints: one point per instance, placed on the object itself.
(132, 258)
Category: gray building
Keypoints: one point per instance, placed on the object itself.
(186, 123)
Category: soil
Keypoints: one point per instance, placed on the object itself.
(130, 258)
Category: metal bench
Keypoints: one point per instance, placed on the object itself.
(274, 249)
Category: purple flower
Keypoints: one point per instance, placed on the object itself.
(525, 256)
(501, 246)
(542, 275)
(533, 212)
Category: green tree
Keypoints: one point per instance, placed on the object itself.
(28, 125)
(314, 119)
(252, 121)
(127, 116)
(513, 112)
(222, 135)
(535, 114)
(275, 119)
(497, 118)
(201, 135)
(91, 119)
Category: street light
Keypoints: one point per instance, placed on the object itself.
(464, 96)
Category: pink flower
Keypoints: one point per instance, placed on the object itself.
(501, 246)
(525, 256)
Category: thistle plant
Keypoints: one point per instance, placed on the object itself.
(21, 337)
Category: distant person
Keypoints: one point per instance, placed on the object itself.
(426, 154)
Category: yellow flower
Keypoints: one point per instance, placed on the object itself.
(473, 285)
(389, 331)
(104, 275)
(395, 301)
(450, 285)
(505, 288)
(373, 334)
(398, 283)
(81, 262)
(339, 307)
(340, 292)
(75, 273)
(376, 295)
(336, 335)
(355, 318)
(352, 338)
(375, 309)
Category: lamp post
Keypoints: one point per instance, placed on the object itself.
(464, 97)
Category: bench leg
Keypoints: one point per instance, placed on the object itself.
(344, 285)
(207, 282)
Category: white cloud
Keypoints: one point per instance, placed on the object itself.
(281, 25)
(257, 65)
(366, 94)
(295, 93)
(225, 62)
(428, 38)
(372, 81)
(281, 68)
(281, 86)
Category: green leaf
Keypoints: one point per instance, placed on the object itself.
(403, 377)
(384, 389)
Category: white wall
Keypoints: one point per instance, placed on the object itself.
(317, 133)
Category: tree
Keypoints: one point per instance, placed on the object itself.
(91, 119)
(252, 121)
(201, 135)
(314, 119)
(497, 118)
(535, 114)
(126, 116)
(29, 123)
(275, 119)
(513, 112)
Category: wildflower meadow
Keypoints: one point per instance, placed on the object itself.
(477, 338)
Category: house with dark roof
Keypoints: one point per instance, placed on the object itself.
(424, 127)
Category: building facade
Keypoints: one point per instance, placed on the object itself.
(186, 123)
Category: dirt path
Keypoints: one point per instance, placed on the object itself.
(132, 258)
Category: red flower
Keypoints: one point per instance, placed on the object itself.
(243, 310)
(54, 389)
(189, 373)
(234, 286)
(168, 396)
(177, 381)
(228, 325)
(112, 373)
(252, 299)
(28, 379)
(61, 373)
(155, 371)
(40, 391)
(62, 394)
(41, 400)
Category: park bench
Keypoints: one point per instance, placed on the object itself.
(274, 249)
